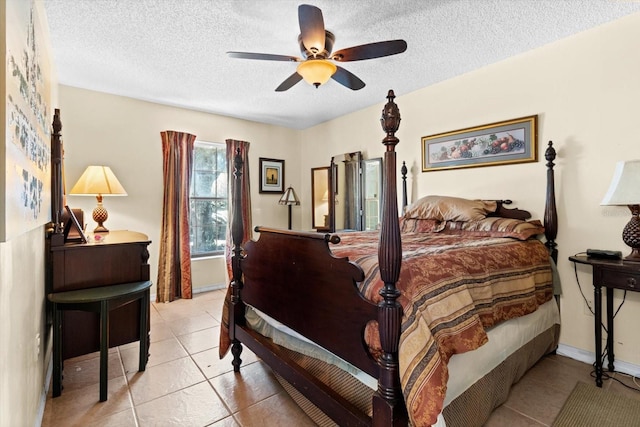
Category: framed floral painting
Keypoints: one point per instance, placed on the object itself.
(500, 143)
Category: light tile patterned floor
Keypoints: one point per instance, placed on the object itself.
(186, 384)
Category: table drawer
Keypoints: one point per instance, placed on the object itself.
(621, 280)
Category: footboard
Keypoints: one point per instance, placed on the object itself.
(294, 278)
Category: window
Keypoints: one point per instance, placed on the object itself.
(208, 199)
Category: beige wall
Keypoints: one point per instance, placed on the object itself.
(25, 339)
(585, 91)
(25, 342)
(125, 134)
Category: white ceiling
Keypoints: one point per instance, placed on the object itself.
(173, 51)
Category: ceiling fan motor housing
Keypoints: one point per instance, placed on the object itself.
(312, 52)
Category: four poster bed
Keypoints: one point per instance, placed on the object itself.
(388, 328)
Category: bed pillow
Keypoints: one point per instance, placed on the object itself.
(446, 208)
(414, 225)
(496, 227)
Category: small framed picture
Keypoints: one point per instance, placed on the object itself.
(72, 229)
(271, 176)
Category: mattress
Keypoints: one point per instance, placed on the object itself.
(464, 369)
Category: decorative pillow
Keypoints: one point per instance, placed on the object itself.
(413, 225)
(445, 208)
(496, 227)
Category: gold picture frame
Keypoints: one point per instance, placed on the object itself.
(500, 143)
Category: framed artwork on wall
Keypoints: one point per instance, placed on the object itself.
(500, 143)
(25, 193)
(271, 176)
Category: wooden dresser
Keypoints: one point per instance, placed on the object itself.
(116, 257)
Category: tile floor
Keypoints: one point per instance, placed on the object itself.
(186, 384)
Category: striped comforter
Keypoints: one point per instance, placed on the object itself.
(452, 287)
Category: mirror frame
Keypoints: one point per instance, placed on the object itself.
(355, 157)
(314, 171)
(376, 161)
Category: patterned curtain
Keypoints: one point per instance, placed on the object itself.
(232, 148)
(174, 263)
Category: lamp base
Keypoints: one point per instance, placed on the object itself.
(100, 215)
(633, 256)
(631, 234)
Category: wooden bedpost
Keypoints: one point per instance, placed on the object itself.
(237, 235)
(388, 403)
(403, 171)
(57, 185)
(550, 213)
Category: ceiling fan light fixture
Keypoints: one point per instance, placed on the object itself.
(316, 71)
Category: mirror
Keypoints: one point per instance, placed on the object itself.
(355, 193)
(347, 200)
(371, 191)
(320, 198)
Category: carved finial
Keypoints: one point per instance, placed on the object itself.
(550, 154)
(57, 124)
(237, 164)
(390, 121)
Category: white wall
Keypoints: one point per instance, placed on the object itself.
(125, 134)
(585, 92)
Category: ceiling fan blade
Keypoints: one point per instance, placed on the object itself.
(289, 82)
(263, 56)
(370, 51)
(311, 28)
(348, 79)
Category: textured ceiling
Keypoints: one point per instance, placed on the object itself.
(173, 51)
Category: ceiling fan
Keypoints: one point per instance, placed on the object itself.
(316, 44)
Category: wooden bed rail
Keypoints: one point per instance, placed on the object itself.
(329, 238)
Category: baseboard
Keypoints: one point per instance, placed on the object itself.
(200, 289)
(215, 287)
(590, 357)
(45, 391)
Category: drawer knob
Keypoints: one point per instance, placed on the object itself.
(631, 282)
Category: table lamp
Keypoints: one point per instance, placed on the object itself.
(289, 198)
(98, 181)
(625, 191)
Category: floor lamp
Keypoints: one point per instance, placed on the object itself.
(289, 198)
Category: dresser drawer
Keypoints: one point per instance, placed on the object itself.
(621, 279)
